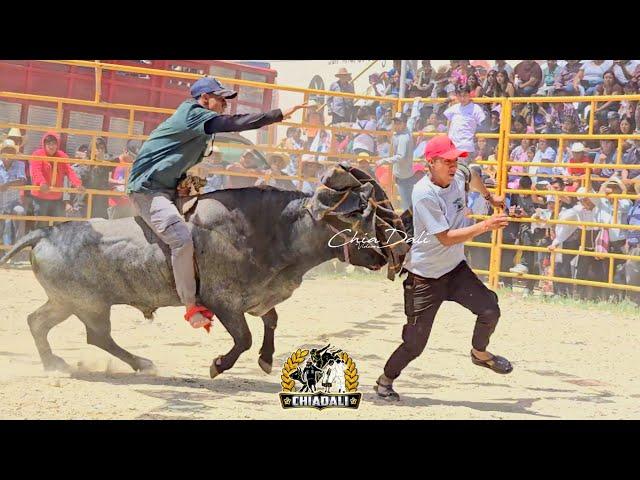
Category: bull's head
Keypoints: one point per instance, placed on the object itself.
(366, 230)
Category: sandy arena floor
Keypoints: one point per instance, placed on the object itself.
(569, 362)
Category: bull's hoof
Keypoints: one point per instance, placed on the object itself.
(264, 365)
(145, 367)
(213, 371)
(55, 364)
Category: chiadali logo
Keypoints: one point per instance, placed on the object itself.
(320, 378)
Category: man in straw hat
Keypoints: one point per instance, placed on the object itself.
(175, 146)
(341, 108)
(12, 172)
(604, 214)
(437, 267)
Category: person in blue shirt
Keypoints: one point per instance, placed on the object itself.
(176, 145)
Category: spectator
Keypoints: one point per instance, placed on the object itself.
(567, 81)
(441, 88)
(604, 214)
(591, 74)
(628, 108)
(578, 155)
(631, 157)
(315, 119)
(424, 82)
(548, 78)
(341, 108)
(522, 206)
(613, 123)
(587, 266)
(504, 86)
(99, 180)
(364, 142)
(46, 202)
(519, 125)
(384, 146)
(402, 161)
(607, 155)
(277, 164)
(490, 83)
(293, 142)
(248, 163)
(120, 207)
(544, 154)
(557, 184)
(494, 121)
(627, 127)
(504, 66)
(475, 90)
(12, 173)
(624, 70)
(311, 169)
(386, 120)
(632, 267)
(519, 154)
(609, 86)
(528, 78)
(214, 160)
(394, 79)
(485, 148)
(464, 118)
(365, 165)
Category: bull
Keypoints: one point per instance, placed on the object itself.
(252, 247)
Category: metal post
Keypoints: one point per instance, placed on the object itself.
(403, 75)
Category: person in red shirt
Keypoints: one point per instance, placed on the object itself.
(48, 203)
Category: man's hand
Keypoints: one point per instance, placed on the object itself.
(183, 192)
(81, 189)
(44, 188)
(287, 113)
(497, 201)
(495, 222)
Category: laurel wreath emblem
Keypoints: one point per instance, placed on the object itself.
(288, 384)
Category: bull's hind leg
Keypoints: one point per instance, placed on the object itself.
(236, 325)
(98, 325)
(265, 359)
(40, 323)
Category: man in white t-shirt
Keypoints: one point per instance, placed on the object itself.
(464, 118)
(436, 264)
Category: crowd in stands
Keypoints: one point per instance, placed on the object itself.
(389, 145)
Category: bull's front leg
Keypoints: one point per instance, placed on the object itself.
(265, 359)
(236, 325)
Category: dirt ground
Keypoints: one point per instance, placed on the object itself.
(569, 362)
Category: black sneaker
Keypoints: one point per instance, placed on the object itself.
(386, 391)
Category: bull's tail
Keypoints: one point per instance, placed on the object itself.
(29, 240)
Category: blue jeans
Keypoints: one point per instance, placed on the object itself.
(12, 230)
(405, 188)
(527, 91)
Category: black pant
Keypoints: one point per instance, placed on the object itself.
(47, 208)
(563, 268)
(422, 300)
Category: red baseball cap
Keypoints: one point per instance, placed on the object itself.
(441, 146)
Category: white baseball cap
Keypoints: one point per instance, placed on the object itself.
(577, 147)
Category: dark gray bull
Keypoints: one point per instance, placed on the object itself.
(252, 246)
